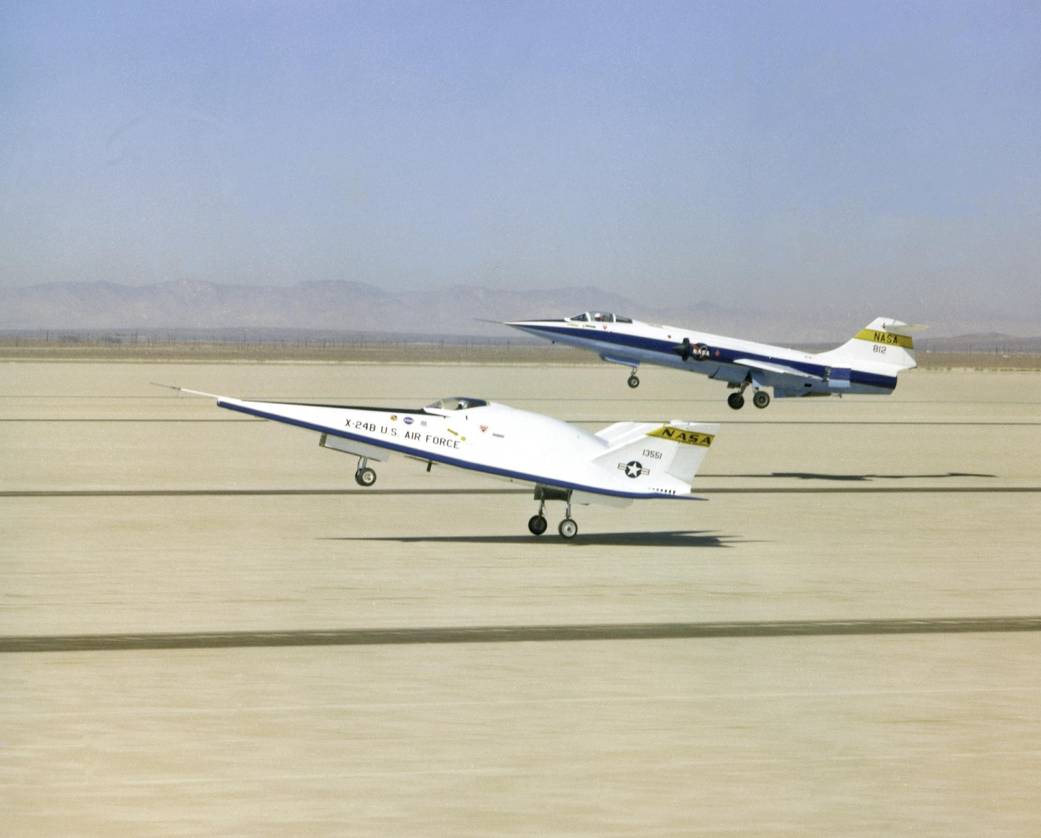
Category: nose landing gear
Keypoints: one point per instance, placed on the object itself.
(364, 476)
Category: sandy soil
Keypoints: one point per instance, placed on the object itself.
(128, 509)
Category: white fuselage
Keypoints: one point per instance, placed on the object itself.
(733, 360)
(491, 438)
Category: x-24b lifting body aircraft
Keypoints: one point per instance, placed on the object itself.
(868, 363)
(621, 463)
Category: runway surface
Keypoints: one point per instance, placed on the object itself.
(781, 490)
(207, 628)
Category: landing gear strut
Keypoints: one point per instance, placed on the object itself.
(364, 476)
(568, 528)
(537, 523)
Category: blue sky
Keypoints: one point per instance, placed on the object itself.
(884, 154)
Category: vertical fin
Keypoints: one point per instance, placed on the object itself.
(883, 342)
(682, 446)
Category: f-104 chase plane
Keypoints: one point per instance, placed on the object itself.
(621, 463)
(866, 364)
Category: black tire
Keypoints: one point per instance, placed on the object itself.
(365, 477)
(633, 381)
(736, 401)
(761, 399)
(568, 529)
(537, 525)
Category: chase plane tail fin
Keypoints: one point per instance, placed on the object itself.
(883, 342)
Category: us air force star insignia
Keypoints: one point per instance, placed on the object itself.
(633, 469)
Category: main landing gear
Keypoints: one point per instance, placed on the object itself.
(737, 400)
(634, 380)
(537, 523)
(364, 476)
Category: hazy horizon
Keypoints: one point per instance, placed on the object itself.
(878, 157)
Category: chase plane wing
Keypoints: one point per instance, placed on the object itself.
(767, 366)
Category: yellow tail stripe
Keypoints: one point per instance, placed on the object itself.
(888, 338)
(684, 437)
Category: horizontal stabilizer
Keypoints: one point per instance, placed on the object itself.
(897, 327)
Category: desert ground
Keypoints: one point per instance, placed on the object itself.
(206, 627)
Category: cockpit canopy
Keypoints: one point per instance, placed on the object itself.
(600, 317)
(457, 403)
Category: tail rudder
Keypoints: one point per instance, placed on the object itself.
(676, 448)
(883, 342)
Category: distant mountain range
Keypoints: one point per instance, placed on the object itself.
(326, 306)
(337, 307)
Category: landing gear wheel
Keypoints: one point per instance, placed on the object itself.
(568, 528)
(537, 524)
(761, 399)
(365, 476)
(736, 401)
(633, 381)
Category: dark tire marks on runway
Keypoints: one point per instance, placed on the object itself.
(515, 634)
(698, 490)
